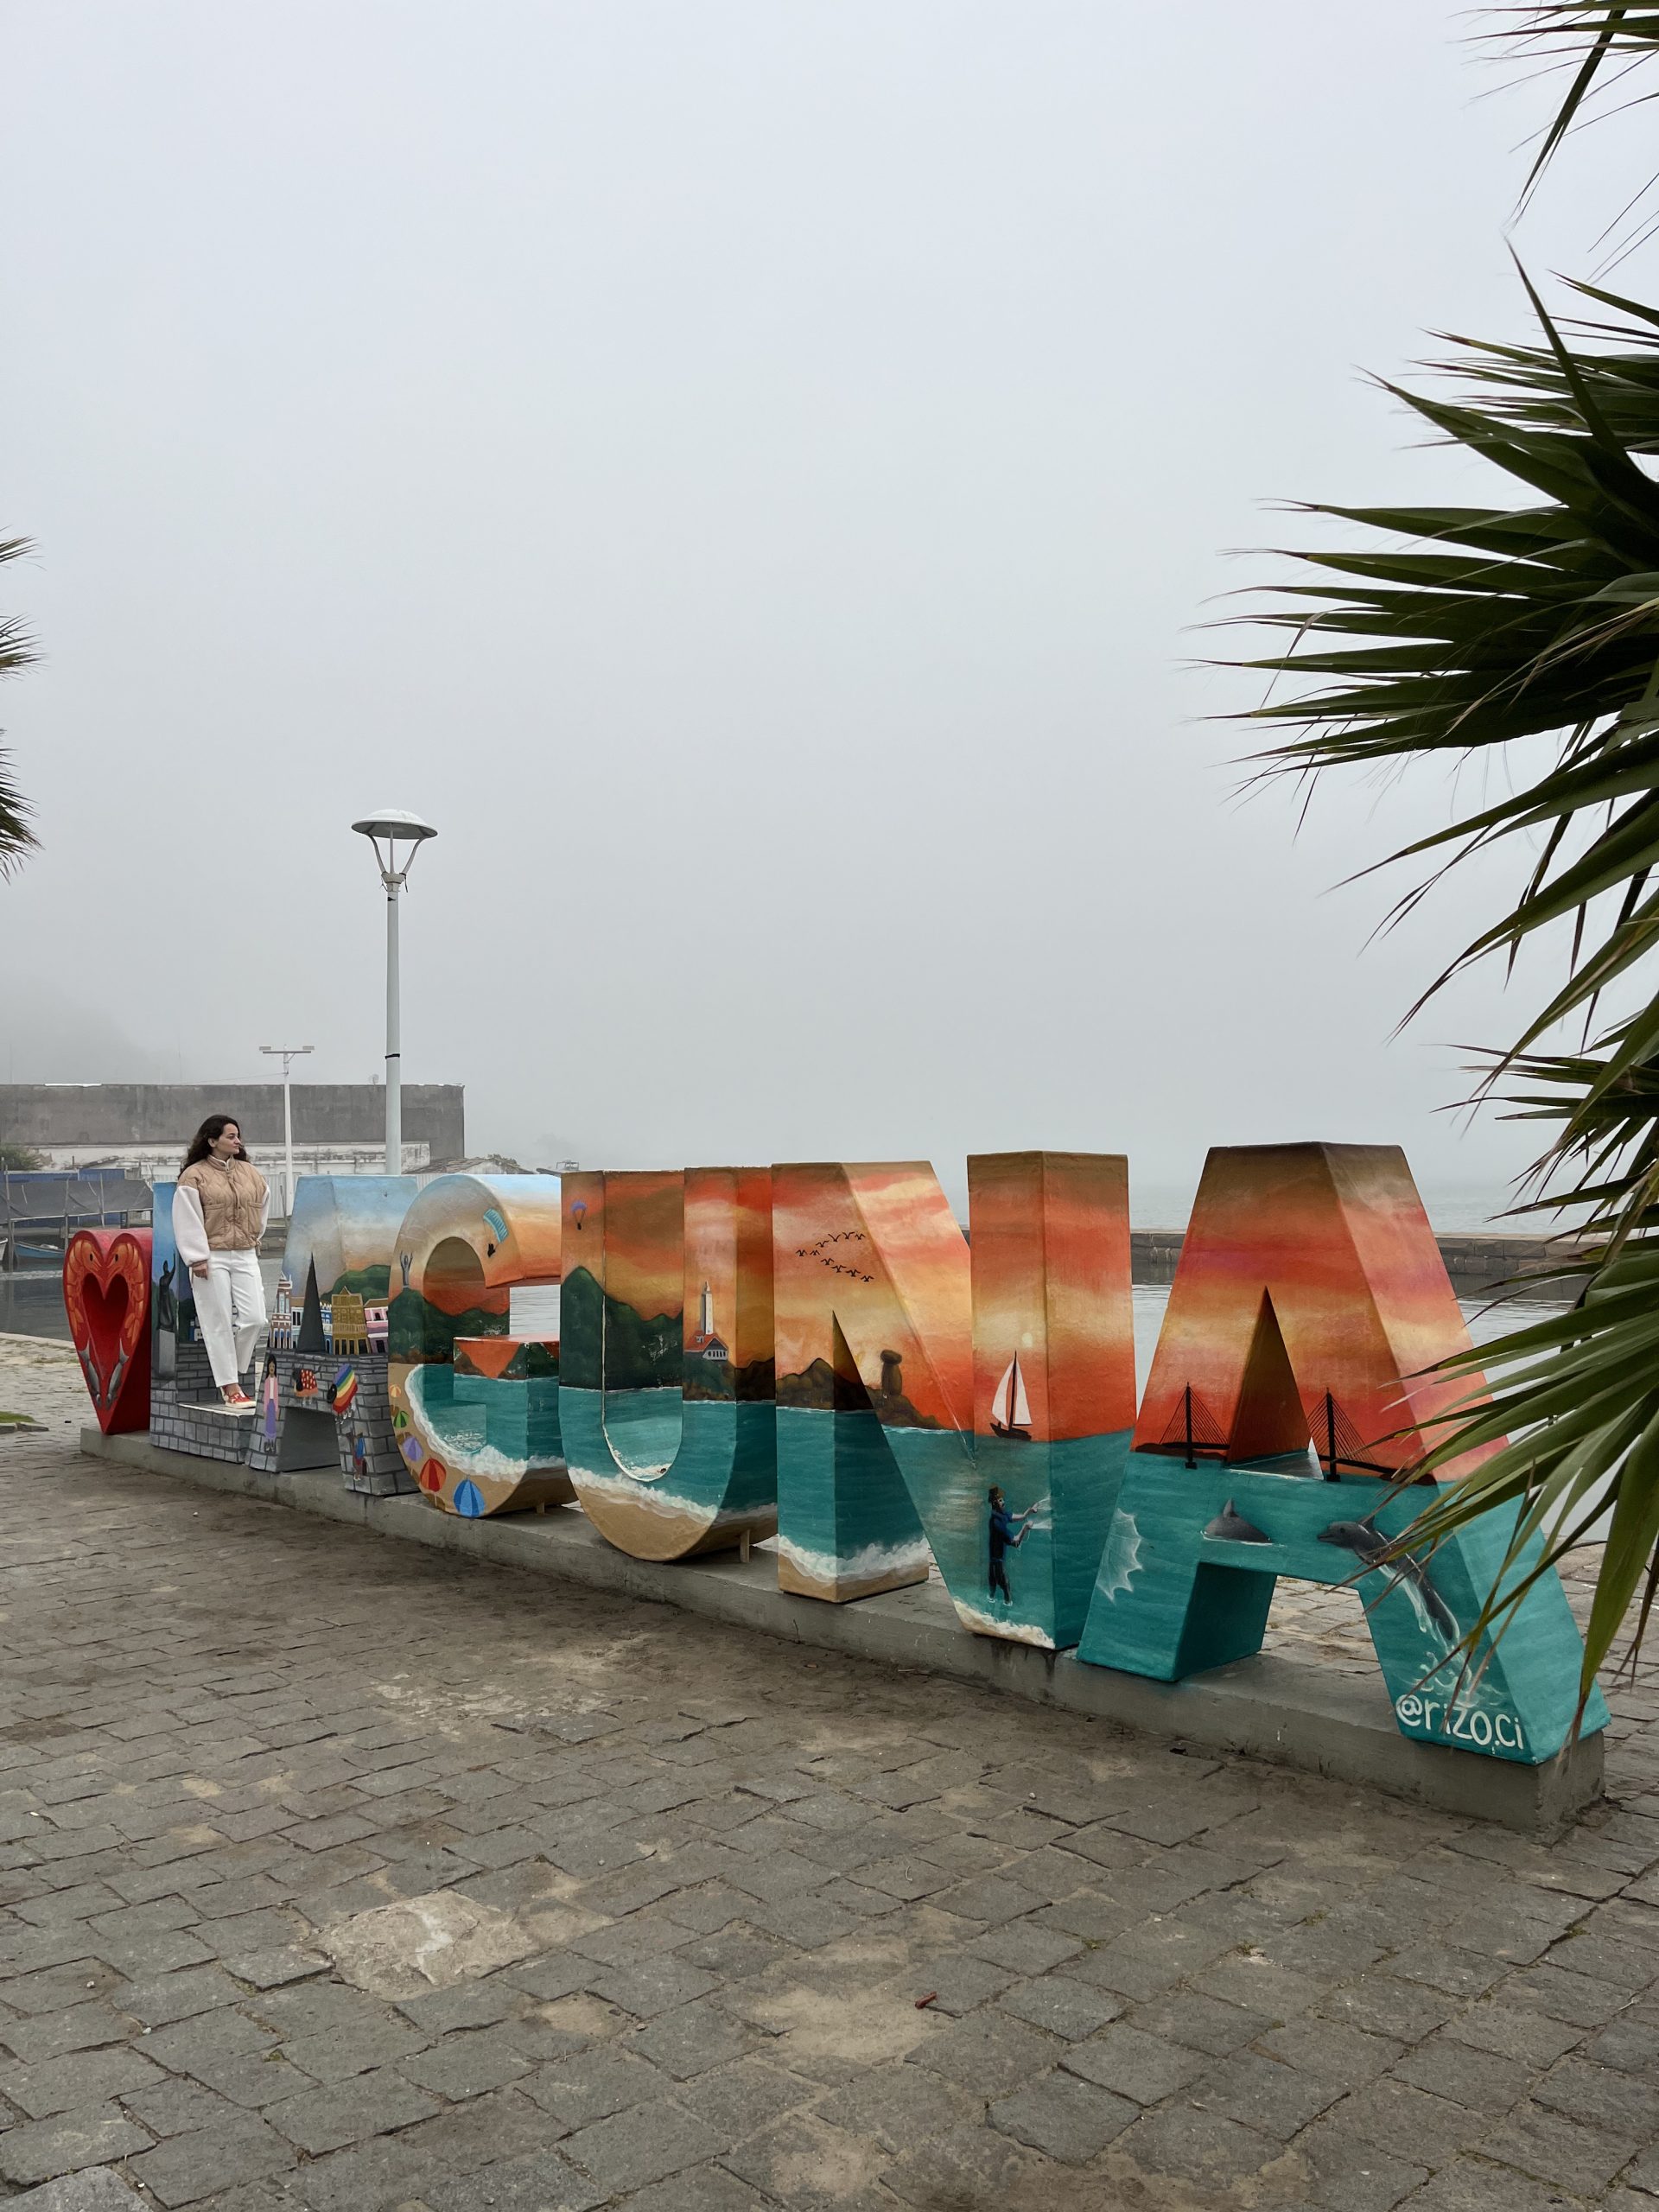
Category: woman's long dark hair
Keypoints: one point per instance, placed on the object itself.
(205, 1135)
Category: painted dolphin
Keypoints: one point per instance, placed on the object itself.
(1433, 1615)
(1231, 1524)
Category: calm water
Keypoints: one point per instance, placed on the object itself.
(31, 1304)
(485, 1423)
(1485, 1322)
(1456, 1210)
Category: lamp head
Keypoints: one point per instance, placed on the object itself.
(396, 825)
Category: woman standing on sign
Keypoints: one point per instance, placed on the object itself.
(220, 1205)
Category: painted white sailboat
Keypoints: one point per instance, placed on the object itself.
(1010, 1407)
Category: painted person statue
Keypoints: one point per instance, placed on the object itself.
(220, 1205)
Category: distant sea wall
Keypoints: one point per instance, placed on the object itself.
(1479, 1266)
(94, 1117)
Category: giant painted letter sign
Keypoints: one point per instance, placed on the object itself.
(1286, 1400)
(475, 1409)
(816, 1351)
(665, 1357)
(977, 1410)
(321, 1389)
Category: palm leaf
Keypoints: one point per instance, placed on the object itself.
(1453, 633)
(1450, 633)
(16, 652)
(1585, 36)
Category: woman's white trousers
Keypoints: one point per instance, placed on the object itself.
(230, 1311)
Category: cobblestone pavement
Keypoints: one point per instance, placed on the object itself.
(681, 1893)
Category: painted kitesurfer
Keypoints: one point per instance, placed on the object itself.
(1007, 1532)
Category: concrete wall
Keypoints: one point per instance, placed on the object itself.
(91, 1117)
(1477, 1265)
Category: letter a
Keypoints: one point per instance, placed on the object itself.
(1310, 1296)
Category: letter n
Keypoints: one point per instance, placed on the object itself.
(912, 1379)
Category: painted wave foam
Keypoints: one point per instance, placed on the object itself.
(629, 1490)
(1004, 1626)
(871, 1563)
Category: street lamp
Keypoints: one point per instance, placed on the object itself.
(288, 1052)
(395, 827)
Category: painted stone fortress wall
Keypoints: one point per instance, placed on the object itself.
(182, 1415)
(813, 1354)
(324, 1409)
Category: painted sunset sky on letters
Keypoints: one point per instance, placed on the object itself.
(1337, 1238)
(878, 1248)
(1052, 1287)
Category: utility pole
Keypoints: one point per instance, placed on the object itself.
(288, 1054)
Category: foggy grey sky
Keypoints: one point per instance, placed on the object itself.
(748, 472)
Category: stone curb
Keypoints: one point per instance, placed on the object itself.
(1326, 1723)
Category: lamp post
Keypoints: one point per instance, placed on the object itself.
(395, 827)
(288, 1054)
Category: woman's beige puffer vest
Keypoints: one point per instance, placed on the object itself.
(232, 1196)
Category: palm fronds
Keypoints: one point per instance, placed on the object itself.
(1495, 624)
(1526, 638)
(1590, 37)
(1461, 633)
(16, 652)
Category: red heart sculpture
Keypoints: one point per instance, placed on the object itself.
(107, 1296)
